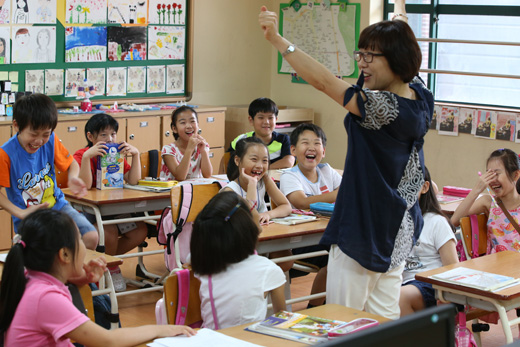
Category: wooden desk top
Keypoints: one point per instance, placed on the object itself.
(279, 231)
(502, 263)
(101, 197)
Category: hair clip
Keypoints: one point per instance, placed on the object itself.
(232, 212)
(18, 239)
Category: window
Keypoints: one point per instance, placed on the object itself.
(471, 49)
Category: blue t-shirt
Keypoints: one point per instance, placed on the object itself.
(377, 217)
(30, 179)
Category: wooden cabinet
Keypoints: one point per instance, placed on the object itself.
(143, 132)
(72, 134)
(6, 232)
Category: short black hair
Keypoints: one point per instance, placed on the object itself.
(396, 41)
(36, 111)
(265, 105)
(240, 151)
(216, 242)
(98, 123)
(175, 115)
(295, 135)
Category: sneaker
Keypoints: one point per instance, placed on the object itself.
(117, 279)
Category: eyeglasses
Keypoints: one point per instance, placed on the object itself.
(368, 57)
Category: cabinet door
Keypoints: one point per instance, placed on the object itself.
(215, 157)
(166, 131)
(213, 128)
(6, 232)
(143, 133)
(72, 134)
(5, 133)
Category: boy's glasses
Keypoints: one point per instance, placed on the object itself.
(368, 57)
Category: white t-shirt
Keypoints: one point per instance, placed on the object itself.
(293, 180)
(260, 194)
(238, 292)
(425, 253)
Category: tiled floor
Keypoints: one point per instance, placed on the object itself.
(139, 309)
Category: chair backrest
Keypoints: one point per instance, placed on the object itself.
(86, 296)
(201, 194)
(467, 234)
(224, 163)
(150, 160)
(62, 178)
(171, 297)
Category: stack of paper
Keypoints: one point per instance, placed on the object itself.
(204, 337)
(475, 279)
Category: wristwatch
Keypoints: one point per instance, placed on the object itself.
(289, 50)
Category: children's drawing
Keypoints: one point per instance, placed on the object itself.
(486, 124)
(449, 121)
(163, 12)
(96, 78)
(116, 81)
(506, 125)
(85, 44)
(34, 81)
(54, 81)
(42, 11)
(175, 79)
(21, 12)
(166, 42)
(5, 11)
(127, 11)
(34, 44)
(467, 121)
(86, 11)
(126, 43)
(5, 39)
(434, 124)
(73, 79)
(136, 79)
(155, 79)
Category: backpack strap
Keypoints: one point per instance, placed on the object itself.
(474, 235)
(183, 280)
(186, 200)
(153, 163)
(213, 309)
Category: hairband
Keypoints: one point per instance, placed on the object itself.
(232, 212)
(18, 239)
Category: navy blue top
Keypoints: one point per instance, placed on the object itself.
(377, 217)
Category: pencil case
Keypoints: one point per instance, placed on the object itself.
(163, 184)
(456, 191)
(323, 208)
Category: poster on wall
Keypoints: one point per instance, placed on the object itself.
(116, 81)
(54, 81)
(449, 121)
(85, 44)
(467, 122)
(127, 12)
(506, 126)
(486, 124)
(136, 79)
(5, 40)
(73, 79)
(174, 79)
(166, 42)
(434, 125)
(33, 44)
(155, 78)
(86, 12)
(96, 78)
(34, 81)
(165, 12)
(5, 12)
(126, 43)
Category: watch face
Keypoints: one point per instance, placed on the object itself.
(290, 49)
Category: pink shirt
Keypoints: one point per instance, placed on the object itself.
(45, 314)
(502, 235)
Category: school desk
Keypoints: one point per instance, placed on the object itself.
(122, 201)
(501, 301)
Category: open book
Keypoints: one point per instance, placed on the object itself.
(307, 329)
(294, 218)
(475, 279)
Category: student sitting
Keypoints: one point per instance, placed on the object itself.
(101, 129)
(30, 158)
(308, 182)
(235, 281)
(434, 248)
(36, 308)
(263, 114)
(188, 156)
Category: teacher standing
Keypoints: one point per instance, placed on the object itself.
(377, 217)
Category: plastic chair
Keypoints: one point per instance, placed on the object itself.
(86, 296)
(171, 297)
(150, 164)
(224, 163)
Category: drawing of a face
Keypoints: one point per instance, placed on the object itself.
(20, 4)
(22, 37)
(2, 47)
(43, 38)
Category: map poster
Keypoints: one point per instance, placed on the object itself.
(329, 34)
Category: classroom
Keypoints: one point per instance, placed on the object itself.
(229, 63)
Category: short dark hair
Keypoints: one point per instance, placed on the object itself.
(36, 111)
(175, 115)
(216, 242)
(262, 105)
(295, 135)
(43, 233)
(98, 123)
(396, 40)
(240, 151)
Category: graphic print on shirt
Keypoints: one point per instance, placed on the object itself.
(37, 189)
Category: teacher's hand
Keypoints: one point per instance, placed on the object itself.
(269, 23)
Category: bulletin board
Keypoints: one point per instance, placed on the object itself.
(326, 31)
(127, 49)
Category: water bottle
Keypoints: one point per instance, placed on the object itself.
(463, 336)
